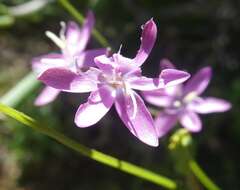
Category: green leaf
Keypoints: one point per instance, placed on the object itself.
(90, 153)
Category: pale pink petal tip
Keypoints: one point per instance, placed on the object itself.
(47, 95)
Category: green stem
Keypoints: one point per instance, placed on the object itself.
(180, 146)
(90, 153)
(79, 17)
(202, 177)
(23, 88)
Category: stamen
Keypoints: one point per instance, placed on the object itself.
(189, 97)
(177, 104)
(62, 31)
(108, 52)
(55, 39)
(134, 101)
(78, 69)
(120, 48)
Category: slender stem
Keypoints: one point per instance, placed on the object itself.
(180, 146)
(202, 177)
(90, 153)
(23, 88)
(79, 17)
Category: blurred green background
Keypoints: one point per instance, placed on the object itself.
(192, 34)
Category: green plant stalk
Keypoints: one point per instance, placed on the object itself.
(201, 176)
(180, 146)
(79, 17)
(90, 153)
(23, 88)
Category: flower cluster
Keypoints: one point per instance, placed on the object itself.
(115, 79)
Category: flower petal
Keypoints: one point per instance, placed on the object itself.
(44, 62)
(141, 123)
(73, 36)
(209, 105)
(47, 95)
(191, 121)
(145, 84)
(199, 82)
(106, 64)
(164, 123)
(166, 64)
(172, 77)
(124, 64)
(158, 98)
(86, 58)
(93, 110)
(77, 38)
(86, 30)
(148, 39)
(107, 94)
(69, 81)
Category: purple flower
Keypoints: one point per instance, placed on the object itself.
(72, 42)
(183, 103)
(114, 82)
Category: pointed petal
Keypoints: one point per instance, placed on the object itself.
(164, 123)
(86, 58)
(47, 95)
(141, 123)
(104, 63)
(158, 98)
(173, 77)
(77, 38)
(145, 84)
(209, 105)
(86, 30)
(148, 39)
(191, 121)
(107, 94)
(94, 109)
(72, 32)
(73, 36)
(124, 64)
(166, 64)
(44, 62)
(69, 81)
(199, 82)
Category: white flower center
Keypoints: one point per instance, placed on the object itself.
(190, 97)
(177, 103)
(116, 81)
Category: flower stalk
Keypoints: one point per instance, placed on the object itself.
(180, 146)
(202, 177)
(90, 153)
